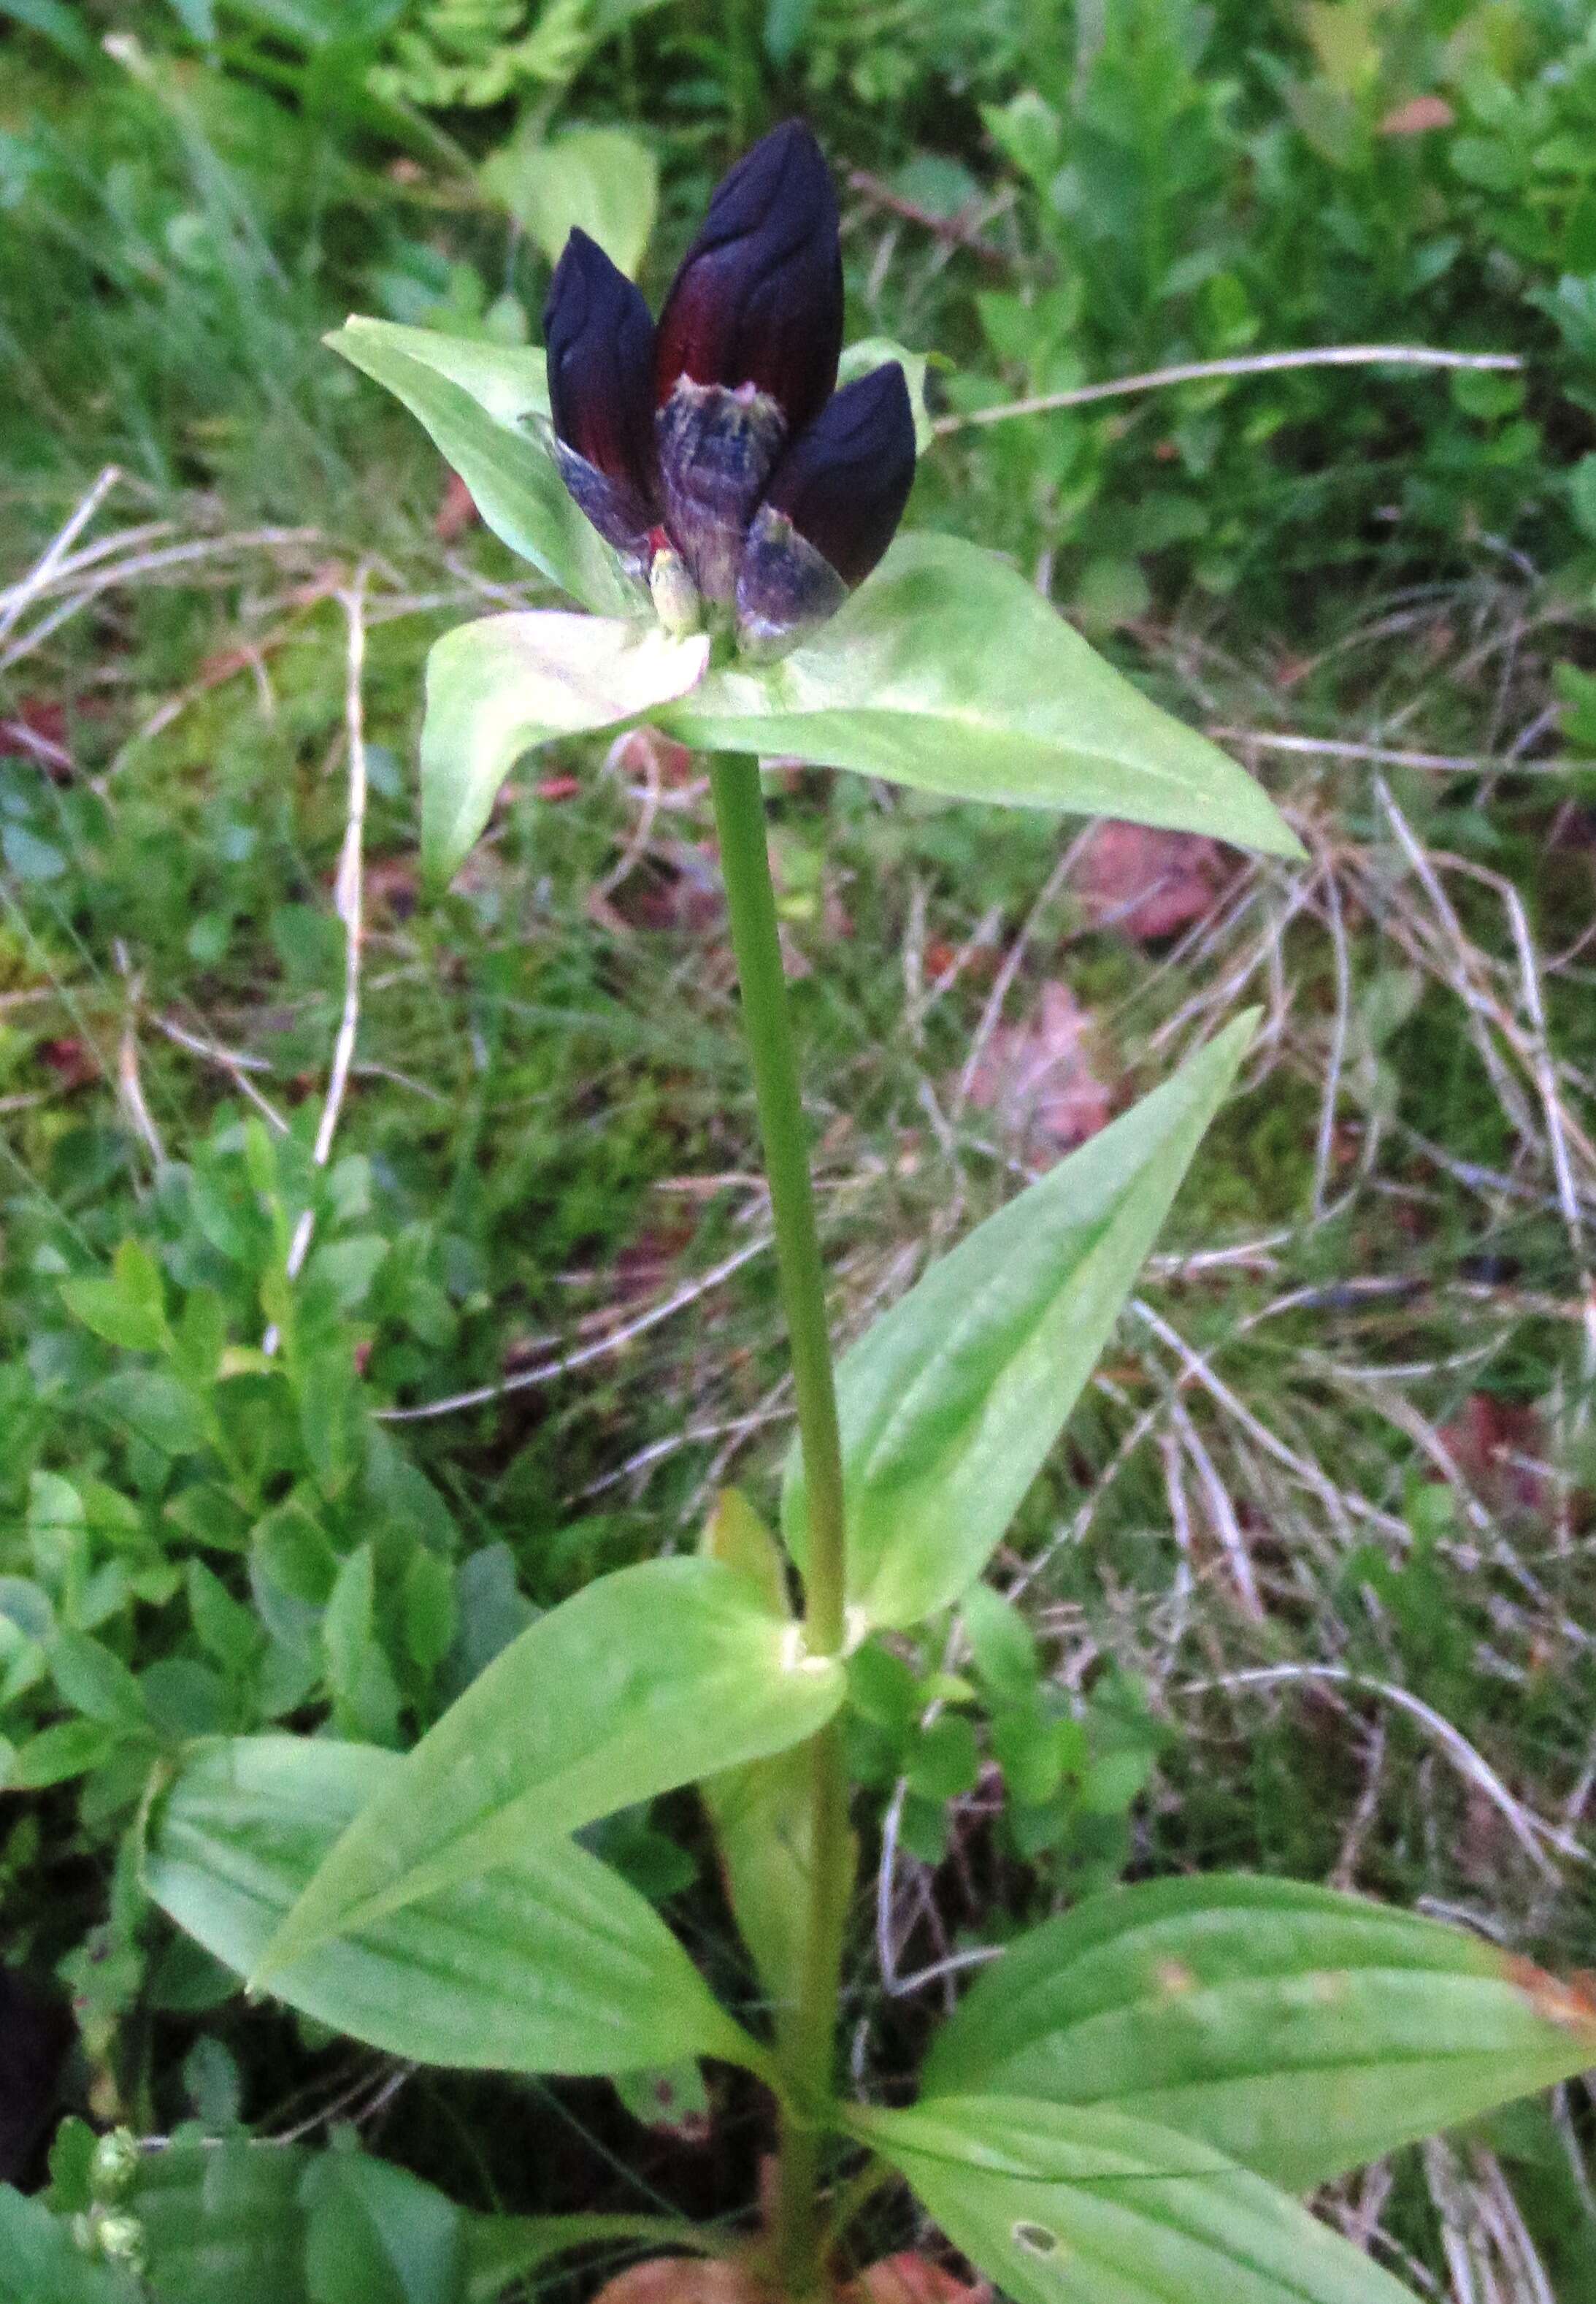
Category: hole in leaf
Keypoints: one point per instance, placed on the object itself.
(1035, 2239)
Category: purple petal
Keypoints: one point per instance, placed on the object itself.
(758, 299)
(844, 483)
(600, 343)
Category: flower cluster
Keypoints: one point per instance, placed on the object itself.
(713, 452)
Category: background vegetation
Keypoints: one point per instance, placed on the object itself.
(1310, 1589)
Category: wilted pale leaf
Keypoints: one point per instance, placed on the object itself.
(1147, 883)
(1040, 1078)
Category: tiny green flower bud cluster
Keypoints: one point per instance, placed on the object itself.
(114, 2165)
(105, 2230)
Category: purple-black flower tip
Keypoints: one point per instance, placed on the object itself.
(829, 513)
(758, 298)
(599, 338)
(844, 482)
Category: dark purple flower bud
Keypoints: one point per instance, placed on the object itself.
(600, 343)
(758, 299)
(832, 509)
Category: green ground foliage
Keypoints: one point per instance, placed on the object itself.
(1309, 1587)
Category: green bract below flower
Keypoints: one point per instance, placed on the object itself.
(720, 492)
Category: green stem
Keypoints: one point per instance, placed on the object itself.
(744, 866)
(807, 2034)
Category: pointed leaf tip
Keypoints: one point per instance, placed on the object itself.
(950, 1404)
(1070, 2204)
(551, 1964)
(485, 407)
(1299, 2030)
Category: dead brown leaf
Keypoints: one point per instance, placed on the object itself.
(1568, 2001)
(910, 2278)
(38, 731)
(648, 1263)
(907, 2278)
(676, 886)
(457, 511)
(1147, 884)
(72, 1063)
(687, 2280)
(1417, 116)
(647, 756)
(978, 962)
(1488, 1441)
(393, 885)
(1038, 1077)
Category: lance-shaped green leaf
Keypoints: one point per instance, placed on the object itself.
(951, 1402)
(1058, 2205)
(1299, 2031)
(550, 1964)
(948, 672)
(486, 408)
(497, 688)
(646, 1679)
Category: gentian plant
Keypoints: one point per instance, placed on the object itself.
(1127, 2103)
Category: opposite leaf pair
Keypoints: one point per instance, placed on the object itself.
(674, 1670)
(1117, 2112)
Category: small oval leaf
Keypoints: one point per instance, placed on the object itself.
(602, 180)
